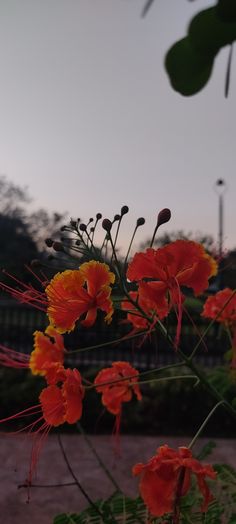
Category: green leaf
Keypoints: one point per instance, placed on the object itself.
(226, 10)
(208, 32)
(188, 70)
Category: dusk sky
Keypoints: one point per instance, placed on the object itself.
(89, 121)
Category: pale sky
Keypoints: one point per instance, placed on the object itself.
(89, 121)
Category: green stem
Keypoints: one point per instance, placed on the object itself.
(122, 379)
(204, 424)
(104, 344)
(161, 379)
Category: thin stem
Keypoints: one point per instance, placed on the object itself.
(104, 344)
(204, 423)
(122, 379)
(162, 379)
(89, 500)
(130, 244)
(100, 461)
(201, 376)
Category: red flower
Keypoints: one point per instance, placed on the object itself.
(167, 477)
(149, 307)
(115, 390)
(74, 293)
(214, 304)
(63, 404)
(160, 273)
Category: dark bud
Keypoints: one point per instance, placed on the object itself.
(83, 227)
(98, 216)
(116, 217)
(92, 229)
(57, 246)
(164, 216)
(124, 210)
(77, 242)
(90, 220)
(107, 224)
(140, 221)
(73, 223)
(48, 242)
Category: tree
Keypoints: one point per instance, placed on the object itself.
(22, 234)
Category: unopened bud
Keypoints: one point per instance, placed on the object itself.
(73, 223)
(116, 217)
(48, 242)
(107, 224)
(124, 210)
(83, 227)
(164, 216)
(140, 221)
(98, 216)
(57, 246)
(77, 242)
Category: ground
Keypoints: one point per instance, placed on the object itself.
(45, 503)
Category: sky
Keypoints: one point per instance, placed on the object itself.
(89, 121)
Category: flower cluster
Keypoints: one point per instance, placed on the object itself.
(155, 283)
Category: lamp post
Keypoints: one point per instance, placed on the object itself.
(220, 188)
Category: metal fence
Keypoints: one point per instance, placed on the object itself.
(19, 321)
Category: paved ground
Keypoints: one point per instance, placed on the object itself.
(45, 503)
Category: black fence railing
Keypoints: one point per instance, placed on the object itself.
(19, 321)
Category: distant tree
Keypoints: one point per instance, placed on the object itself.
(206, 240)
(22, 234)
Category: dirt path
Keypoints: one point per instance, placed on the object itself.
(45, 503)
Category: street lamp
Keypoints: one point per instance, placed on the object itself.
(220, 187)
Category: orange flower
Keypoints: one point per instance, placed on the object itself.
(115, 391)
(215, 303)
(167, 477)
(74, 293)
(63, 404)
(48, 355)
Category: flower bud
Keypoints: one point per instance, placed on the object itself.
(116, 217)
(164, 216)
(140, 222)
(83, 227)
(98, 216)
(107, 225)
(73, 223)
(57, 246)
(124, 210)
(48, 242)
